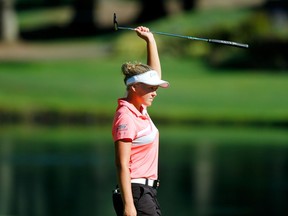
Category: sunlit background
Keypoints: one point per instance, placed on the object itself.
(223, 122)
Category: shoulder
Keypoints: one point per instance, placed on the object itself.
(123, 116)
(123, 112)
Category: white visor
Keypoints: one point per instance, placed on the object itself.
(150, 78)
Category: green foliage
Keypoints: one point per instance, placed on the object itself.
(266, 37)
(204, 24)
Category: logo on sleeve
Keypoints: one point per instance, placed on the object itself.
(122, 127)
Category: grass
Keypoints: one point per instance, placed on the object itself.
(56, 16)
(94, 85)
(235, 94)
(182, 135)
(58, 85)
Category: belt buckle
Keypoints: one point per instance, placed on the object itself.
(156, 183)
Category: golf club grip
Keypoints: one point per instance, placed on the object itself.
(230, 43)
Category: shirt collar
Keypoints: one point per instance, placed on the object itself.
(132, 108)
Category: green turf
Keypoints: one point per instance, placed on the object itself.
(94, 86)
(241, 94)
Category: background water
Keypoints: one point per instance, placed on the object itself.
(203, 171)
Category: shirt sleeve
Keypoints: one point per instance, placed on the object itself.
(123, 128)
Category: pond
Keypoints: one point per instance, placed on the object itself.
(204, 171)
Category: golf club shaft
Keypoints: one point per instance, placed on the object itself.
(230, 43)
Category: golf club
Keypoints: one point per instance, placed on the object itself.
(230, 43)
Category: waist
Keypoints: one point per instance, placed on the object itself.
(147, 182)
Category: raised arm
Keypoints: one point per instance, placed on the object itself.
(153, 59)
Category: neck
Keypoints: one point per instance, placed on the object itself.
(131, 99)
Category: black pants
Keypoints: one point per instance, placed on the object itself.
(145, 201)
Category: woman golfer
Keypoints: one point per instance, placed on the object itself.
(136, 137)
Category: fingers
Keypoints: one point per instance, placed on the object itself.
(144, 33)
(142, 29)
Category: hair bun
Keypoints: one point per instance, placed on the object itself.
(130, 69)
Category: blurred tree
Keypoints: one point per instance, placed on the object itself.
(155, 9)
(188, 4)
(8, 21)
(276, 6)
(83, 21)
(53, 2)
(151, 10)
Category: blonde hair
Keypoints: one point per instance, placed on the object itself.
(131, 69)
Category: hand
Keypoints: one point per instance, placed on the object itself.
(130, 211)
(144, 33)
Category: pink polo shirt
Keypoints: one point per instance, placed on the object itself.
(132, 125)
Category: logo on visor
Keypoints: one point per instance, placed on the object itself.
(153, 73)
